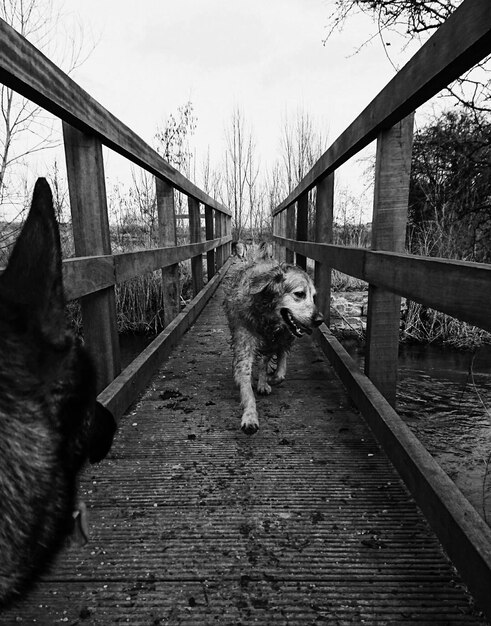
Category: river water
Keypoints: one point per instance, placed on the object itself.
(444, 396)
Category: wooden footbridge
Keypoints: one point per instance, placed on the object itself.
(333, 513)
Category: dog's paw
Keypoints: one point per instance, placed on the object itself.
(263, 388)
(249, 423)
(276, 379)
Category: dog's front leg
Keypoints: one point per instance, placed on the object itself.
(280, 373)
(263, 386)
(243, 361)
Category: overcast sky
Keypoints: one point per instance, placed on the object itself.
(267, 57)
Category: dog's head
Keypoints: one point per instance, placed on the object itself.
(289, 294)
(50, 372)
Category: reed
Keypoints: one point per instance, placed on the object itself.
(424, 325)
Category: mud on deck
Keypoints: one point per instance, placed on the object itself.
(193, 522)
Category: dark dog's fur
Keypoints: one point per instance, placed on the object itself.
(267, 306)
(50, 422)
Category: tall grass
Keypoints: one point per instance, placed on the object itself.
(423, 324)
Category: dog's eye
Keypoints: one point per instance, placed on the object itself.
(301, 295)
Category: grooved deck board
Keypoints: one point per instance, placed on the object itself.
(193, 522)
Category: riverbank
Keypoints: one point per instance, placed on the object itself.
(419, 325)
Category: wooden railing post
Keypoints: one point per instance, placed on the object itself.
(218, 234)
(290, 229)
(195, 237)
(281, 231)
(392, 171)
(228, 220)
(224, 230)
(323, 234)
(209, 233)
(302, 226)
(88, 203)
(168, 237)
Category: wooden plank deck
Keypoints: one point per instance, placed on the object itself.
(195, 523)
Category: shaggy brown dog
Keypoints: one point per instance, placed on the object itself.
(267, 305)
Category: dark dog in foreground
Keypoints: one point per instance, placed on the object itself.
(268, 305)
(50, 422)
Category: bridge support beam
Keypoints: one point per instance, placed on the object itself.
(392, 170)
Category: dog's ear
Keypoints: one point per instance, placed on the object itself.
(270, 281)
(31, 286)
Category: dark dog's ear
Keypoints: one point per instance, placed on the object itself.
(271, 281)
(101, 433)
(32, 283)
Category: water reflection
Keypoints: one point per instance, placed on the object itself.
(444, 395)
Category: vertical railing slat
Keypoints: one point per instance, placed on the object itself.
(168, 237)
(281, 226)
(323, 234)
(209, 233)
(290, 229)
(228, 220)
(88, 203)
(302, 226)
(195, 237)
(392, 171)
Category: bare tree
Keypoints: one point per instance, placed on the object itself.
(26, 128)
(211, 179)
(418, 18)
(172, 143)
(239, 169)
(301, 146)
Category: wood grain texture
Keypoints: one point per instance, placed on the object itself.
(462, 41)
(195, 237)
(464, 535)
(26, 70)
(220, 232)
(85, 275)
(302, 227)
(209, 234)
(391, 196)
(88, 205)
(324, 207)
(291, 213)
(130, 264)
(168, 237)
(458, 288)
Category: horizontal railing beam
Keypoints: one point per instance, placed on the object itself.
(458, 288)
(27, 71)
(83, 276)
(461, 42)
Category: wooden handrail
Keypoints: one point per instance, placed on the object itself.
(461, 42)
(26, 70)
(85, 275)
(92, 276)
(458, 288)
